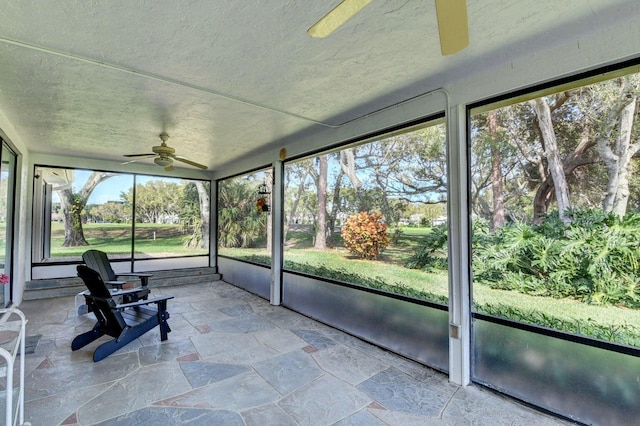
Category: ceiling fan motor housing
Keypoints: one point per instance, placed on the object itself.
(163, 149)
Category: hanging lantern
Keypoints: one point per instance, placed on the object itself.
(262, 203)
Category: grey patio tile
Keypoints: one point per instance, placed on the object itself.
(237, 310)
(197, 317)
(280, 340)
(288, 372)
(361, 418)
(324, 401)
(202, 373)
(63, 350)
(475, 406)
(180, 329)
(176, 416)
(231, 348)
(269, 414)
(238, 393)
(286, 319)
(175, 307)
(168, 350)
(348, 364)
(315, 338)
(245, 324)
(404, 419)
(141, 388)
(424, 374)
(41, 382)
(396, 391)
(52, 410)
(273, 367)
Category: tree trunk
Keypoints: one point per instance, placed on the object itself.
(348, 166)
(268, 180)
(296, 201)
(618, 159)
(497, 184)
(335, 207)
(321, 228)
(579, 157)
(545, 124)
(72, 207)
(205, 205)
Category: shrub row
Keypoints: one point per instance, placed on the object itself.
(594, 259)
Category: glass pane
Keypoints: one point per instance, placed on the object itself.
(7, 179)
(555, 193)
(373, 214)
(83, 209)
(244, 219)
(588, 384)
(169, 219)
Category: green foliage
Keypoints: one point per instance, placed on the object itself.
(365, 235)
(595, 259)
(191, 217)
(156, 201)
(431, 254)
(239, 222)
(627, 334)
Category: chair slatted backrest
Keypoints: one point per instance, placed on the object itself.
(98, 261)
(111, 321)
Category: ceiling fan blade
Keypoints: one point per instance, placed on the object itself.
(140, 155)
(137, 157)
(336, 17)
(189, 162)
(453, 25)
(169, 168)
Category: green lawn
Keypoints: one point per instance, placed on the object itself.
(153, 239)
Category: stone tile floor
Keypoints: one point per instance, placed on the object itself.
(234, 359)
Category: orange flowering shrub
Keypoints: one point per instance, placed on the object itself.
(365, 235)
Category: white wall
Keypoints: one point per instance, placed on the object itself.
(22, 208)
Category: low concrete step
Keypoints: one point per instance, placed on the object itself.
(58, 287)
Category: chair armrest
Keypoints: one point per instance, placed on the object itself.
(143, 302)
(144, 277)
(119, 292)
(128, 291)
(102, 299)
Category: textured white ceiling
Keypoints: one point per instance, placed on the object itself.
(225, 79)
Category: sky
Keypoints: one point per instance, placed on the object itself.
(110, 189)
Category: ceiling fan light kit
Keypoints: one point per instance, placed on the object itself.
(163, 162)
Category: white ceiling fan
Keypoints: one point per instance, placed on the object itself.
(164, 156)
(452, 22)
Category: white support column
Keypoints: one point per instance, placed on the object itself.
(277, 215)
(213, 224)
(459, 240)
